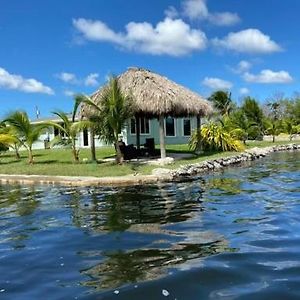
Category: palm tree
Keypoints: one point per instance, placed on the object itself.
(222, 102)
(69, 130)
(25, 133)
(93, 118)
(111, 114)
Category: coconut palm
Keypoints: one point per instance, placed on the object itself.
(111, 113)
(69, 130)
(94, 118)
(222, 102)
(25, 133)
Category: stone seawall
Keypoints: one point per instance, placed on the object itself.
(217, 164)
(186, 172)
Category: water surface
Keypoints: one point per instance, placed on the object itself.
(228, 235)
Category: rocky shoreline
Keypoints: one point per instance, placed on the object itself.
(186, 172)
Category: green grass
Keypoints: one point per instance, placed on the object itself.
(59, 162)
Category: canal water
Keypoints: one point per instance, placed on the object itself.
(228, 235)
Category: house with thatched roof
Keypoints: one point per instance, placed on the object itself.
(163, 110)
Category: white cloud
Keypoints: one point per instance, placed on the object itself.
(91, 79)
(224, 18)
(169, 37)
(68, 77)
(268, 76)
(171, 12)
(69, 93)
(17, 82)
(197, 9)
(248, 41)
(244, 91)
(242, 67)
(217, 83)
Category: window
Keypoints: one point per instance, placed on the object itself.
(59, 132)
(85, 137)
(170, 126)
(186, 127)
(144, 126)
(132, 126)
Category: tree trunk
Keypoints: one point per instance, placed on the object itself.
(119, 155)
(17, 154)
(30, 156)
(137, 127)
(199, 146)
(75, 154)
(162, 137)
(93, 148)
(273, 139)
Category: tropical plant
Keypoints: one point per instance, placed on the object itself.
(68, 131)
(274, 128)
(214, 137)
(25, 133)
(290, 128)
(255, 118)
(112, 113)
(94, 118)
(222, 102)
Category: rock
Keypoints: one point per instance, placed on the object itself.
(161, 161)
(161, 172)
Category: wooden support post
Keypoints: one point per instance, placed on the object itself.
(162, 137)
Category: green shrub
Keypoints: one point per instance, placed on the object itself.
(214, 137)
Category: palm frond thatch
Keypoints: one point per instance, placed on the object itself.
(154, 95)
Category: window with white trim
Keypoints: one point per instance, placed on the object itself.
(144, 126)
(170, 126)
(186, 127)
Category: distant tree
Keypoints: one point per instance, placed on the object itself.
(222, 102)
(255, 117)
(25, 132)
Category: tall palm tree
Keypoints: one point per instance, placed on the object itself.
(94, 118)
(25, 132)
(112, 113)
(222, 102)
(69, 130)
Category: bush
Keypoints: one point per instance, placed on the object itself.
(214, 137)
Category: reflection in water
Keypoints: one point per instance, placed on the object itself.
(231, 234)
(118, 211)
(122, 267)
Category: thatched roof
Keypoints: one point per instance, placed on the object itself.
(155, 95)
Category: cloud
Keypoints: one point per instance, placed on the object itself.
(68, 77)
(217, 83)
(248, 41)
(242, 67)
(17, 82)
(91, 79)
(171, 12)
(71, 78)
(197, 9)
(268, 76)
(168, 37)
(224, 18)
(244, 91)
(69, 93)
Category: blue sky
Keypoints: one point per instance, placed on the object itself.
(52, 49)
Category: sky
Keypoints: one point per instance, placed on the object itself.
(53, 49)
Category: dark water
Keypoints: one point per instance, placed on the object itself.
(231, 235)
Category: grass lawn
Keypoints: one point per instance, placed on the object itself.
(59, 162)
